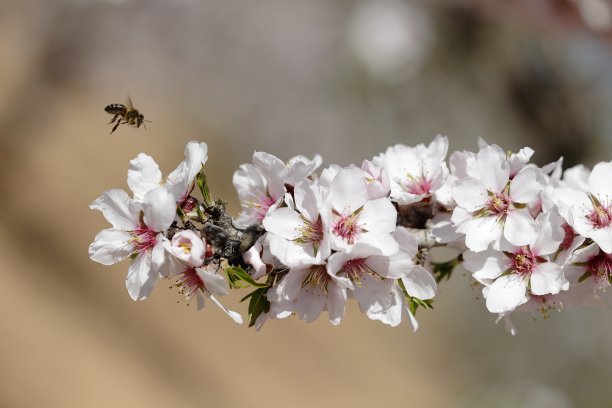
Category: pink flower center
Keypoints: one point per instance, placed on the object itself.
(144, 238)
(260, 205)
(498, 204)
(189, 283)
(601, 215)
(417, 185)
(311, 231)
(355, 269)
(522, 261)
(317, 277)
(346, 227)
(601, 269)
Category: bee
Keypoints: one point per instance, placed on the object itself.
(125, 115)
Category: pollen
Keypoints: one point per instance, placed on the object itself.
(601, 214)
(346, 227)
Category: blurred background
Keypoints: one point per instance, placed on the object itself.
(344, 79)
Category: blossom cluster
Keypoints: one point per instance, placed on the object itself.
(533, 238)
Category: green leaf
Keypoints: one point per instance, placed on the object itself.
(239, 278)
(258, 304)
(413, 302)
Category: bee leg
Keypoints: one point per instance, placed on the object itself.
(115, 127)
(114, 119)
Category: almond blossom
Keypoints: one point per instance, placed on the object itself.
(590, 212)
(138, 232)
(490, 205)
(515, 272)
(416, 172)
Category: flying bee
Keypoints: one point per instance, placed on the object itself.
(125, 115)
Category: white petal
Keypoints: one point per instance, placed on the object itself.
(336, 301)
(143, 175)
(603, 238)
(118, 209)
(550, 233)
(470, 194)
(506, 293)
(600, 182)
(520, 228)
(349, 190)
(284, 222)
(392, 267)
(491, 168)
(383, 242)
(140, 281)
(378, 215)
(233, 315)
(159, 209)
(249, 182)
(413, 321)
(310, 303)
(289, 286)
(406, 241)
(111, 246)
(213, 282)
(525, 187)
(374, 295)
(485, 265)
(420, 283)
(547, 278)
(480, 232)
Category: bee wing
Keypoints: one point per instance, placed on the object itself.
(129, 103)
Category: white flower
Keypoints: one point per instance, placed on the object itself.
(188, 248)
(517, 271)
(301, 234)
(203, 283)
(491, 206)
(357, 219)
(140, 237)
(592, 264)
(416, 172)
(590, 212)
(144, 174)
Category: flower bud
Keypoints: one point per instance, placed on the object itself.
(189, 248)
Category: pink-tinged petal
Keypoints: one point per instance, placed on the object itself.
(283, 222)
(378, 216)
(491, 168)
(159, 209)
(600, 181)
(518, 160)
(420, 283)
(306, 200)
(383, 242)
(274, 171)
(289, 286)
(336, 302)
(249, 182)
(348, 190)
(506, 293)
(111, 246)
(140, 280)
(486, 265)
(310, 303)
(603, 238)
(547, 279)
(480, 232)
(550, 233)
(118, 209)
(214, 283)
(301, 167)
(525, 187)
(200, 300)
(253, 258)
(520, 228)
(334, 265)
(233, 315)
(470, 194)
(143, 175)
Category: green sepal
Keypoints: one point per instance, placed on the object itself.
(203, 186)
(258, 304)
(413, 302)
